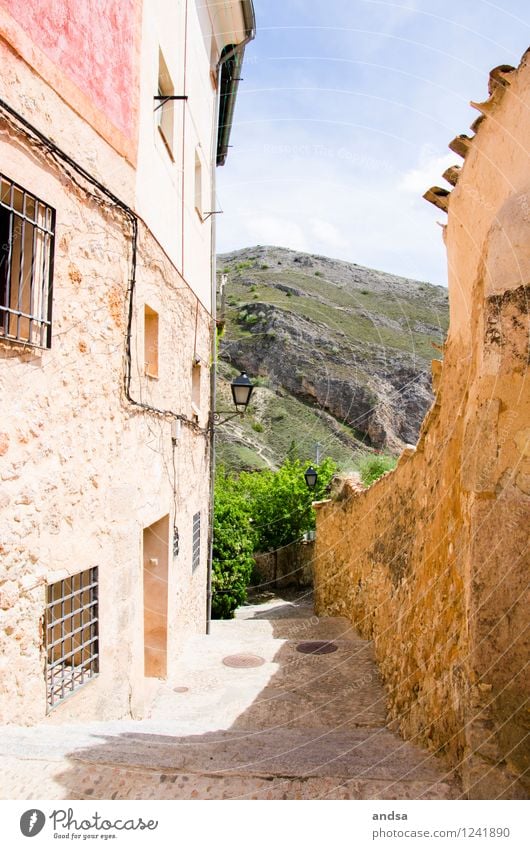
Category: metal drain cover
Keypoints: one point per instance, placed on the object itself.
(243, 661)
(316, 647)
(180, 689)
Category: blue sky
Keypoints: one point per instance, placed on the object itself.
(343, 120)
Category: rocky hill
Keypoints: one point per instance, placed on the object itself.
(341, 352)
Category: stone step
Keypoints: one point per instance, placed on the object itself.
(375, 754)
(77, 780)
(309, 627)
(277, 608)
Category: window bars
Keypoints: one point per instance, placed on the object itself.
(72, 635)
(27, 228)
(196, 549)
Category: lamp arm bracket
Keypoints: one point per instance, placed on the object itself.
(227, 416)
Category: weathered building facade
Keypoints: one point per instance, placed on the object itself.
(432, 561)
(111, 123)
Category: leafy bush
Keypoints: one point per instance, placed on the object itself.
(318, 274)
(242, 266)
(257, 426)
(233, 544)
(373, 466)
(258, 511)
(281, 502)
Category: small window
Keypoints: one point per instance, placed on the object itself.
(198, 184)
(27, 228)
(72, 635)
(196, 388)
(196, 548)
(150, 342)
(165, 111)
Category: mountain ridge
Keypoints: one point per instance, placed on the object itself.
(352, 343)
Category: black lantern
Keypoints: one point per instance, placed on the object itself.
(241, 391)
(311, 477)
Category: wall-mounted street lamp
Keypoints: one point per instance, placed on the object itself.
(241, 391)
(311, 477)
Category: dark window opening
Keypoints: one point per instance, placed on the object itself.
(27, 228)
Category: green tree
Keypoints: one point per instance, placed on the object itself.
(258, 511)
(233, 545)
(280, 501)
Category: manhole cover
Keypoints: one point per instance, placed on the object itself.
(180, 689)
(316, 647)
(242, 661)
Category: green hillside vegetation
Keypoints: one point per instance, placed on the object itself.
(342, 354)
(287, 427)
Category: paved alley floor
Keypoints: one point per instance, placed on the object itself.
(275, 704)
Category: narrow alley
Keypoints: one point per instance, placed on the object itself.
(275, 704)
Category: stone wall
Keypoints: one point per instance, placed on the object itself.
(431, 562)
(83, 471)
(290, 566)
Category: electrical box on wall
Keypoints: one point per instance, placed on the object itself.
(175, 429)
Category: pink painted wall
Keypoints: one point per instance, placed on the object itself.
(93, 42)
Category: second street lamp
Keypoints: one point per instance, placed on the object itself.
(311, 477)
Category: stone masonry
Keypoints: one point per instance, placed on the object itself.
(83, 470)
(432, 561)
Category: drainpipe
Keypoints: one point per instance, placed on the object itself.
(238, 50)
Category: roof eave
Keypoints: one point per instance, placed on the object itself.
(232, 59)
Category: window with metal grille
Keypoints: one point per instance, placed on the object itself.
(72, 634)
(27, 227)
(196, 551)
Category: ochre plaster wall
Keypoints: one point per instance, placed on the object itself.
(432, 561)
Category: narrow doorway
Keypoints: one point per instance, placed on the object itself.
(155, 557)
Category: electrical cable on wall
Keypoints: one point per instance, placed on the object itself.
(50, 146)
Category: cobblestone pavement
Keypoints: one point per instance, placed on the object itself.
(297, 726)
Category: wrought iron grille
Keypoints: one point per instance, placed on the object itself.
(27, 228)
(196, 550)
(72, 634)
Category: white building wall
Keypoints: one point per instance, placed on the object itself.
(165, 185)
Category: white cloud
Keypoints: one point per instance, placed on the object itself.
(334, 206)
(326, 232)
(270, 230)
(428, 172)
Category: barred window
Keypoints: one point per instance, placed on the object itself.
(196, 551)
(72, 634)
(27, 227)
